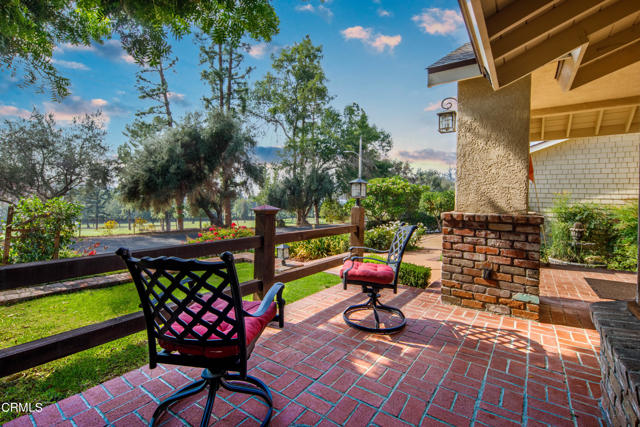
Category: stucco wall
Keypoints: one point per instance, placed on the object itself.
(493, 147)
(601, 169)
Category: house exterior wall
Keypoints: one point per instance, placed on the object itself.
(493, 147)
(601, 169)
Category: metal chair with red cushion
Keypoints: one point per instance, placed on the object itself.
(374, 277)
(194, 311)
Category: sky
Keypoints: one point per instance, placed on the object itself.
(375, 53)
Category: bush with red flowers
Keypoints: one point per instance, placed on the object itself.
(222, 233)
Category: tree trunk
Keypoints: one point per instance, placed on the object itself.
(316, 208)
(214, 218)
(220, 77)
(97, 213)
(165, 95)
(301, 218)
(227, 211)
(167, 220)
(180, 213)
(229, 78)
(129, 219)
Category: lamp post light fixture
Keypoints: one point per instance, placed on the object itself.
(359, 186)
(447, 118)
(282, 252)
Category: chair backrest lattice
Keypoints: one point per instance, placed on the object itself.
(189, 301)
(399, 244)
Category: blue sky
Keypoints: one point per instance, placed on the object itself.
(375, 54)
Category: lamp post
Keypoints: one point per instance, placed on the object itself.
(447, 118)
(359, 186)
(282, 252)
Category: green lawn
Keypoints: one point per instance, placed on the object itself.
(42, 317)
(124, 229)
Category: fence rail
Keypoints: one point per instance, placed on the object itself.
(24, 356)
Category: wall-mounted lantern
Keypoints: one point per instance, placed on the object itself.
(447, 118)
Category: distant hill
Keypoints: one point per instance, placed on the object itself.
(268, 154)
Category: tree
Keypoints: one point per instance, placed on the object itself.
(236, 172)
(392, 199)
(437, 202)
(174, 164)
(225, 75)
(95, 199)
(39, 158)
(437, 181)
(376, 144)
(294, 98)
(30, 30)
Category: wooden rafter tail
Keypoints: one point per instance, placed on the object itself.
(515, 14)
(607, 64)
(611, 44)
(542, 25)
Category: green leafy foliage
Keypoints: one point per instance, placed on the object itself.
(613, 230)
(376, 238)
(392, 199)
(319, 248)
(334, 212)
(30, 30)
(435, 203)
(416, 276)
(37, 223)
(40, 158)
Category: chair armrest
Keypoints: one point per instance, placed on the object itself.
(372, 259)
(369, 249)
(275, 293)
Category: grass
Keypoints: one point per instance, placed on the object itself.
(124, 229)
(61, 378)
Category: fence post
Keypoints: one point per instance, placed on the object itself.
(356, 238)
(264, 256)
(7, 235)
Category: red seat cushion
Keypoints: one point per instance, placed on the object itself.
(253, 328)
(368, 272)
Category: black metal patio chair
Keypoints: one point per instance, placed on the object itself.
(374, 277)
(194, 311)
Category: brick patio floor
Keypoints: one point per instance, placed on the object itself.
(449, 366)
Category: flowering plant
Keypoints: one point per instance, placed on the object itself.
(222, 233)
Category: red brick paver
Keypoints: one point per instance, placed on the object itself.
(450, 366)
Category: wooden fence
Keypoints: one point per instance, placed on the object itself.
(34, 353)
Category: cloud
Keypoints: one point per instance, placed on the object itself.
(75, 106)
(178, 98)
(381, 42)
(11, 111)
(321, 10)
(110, 49)
(383, 13)
(439, 21)
(258, 50)
(357, 32)
(448, 157)
(70, 64)
(377, 41)
(432, 107)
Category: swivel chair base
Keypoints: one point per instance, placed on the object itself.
(231, 382)
(374, 304)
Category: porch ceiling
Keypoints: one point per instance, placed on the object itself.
(589, 39)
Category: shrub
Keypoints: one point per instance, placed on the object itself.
(139, 223)
(37, 222)
(319, 248)
(376, 238)
(333, 212)
(625, 246)
(222, 233)
(416, 276)
(392, 199)
(110, 225)
(381, 236)
(598, 222)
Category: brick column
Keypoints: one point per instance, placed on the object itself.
(492, 262)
